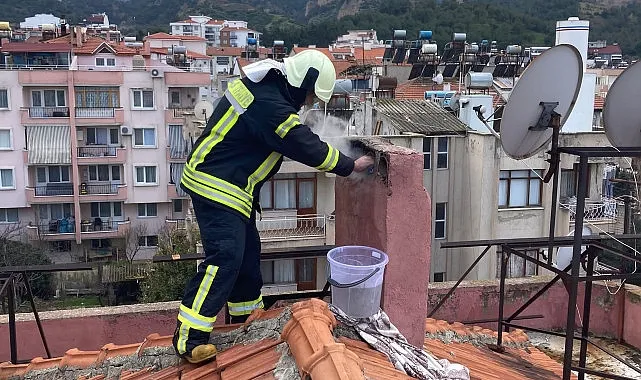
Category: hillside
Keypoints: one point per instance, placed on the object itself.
(529, 22)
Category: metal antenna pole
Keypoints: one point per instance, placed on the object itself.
(554, 167)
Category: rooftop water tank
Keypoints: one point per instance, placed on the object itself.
(478, 81)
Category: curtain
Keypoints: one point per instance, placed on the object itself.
(285, 194)
(178, 146)
(284, 271)
(175, 175)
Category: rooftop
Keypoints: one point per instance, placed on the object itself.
(420, 117)
(165, 36)
(276, 343)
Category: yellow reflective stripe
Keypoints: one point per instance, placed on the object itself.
(244, 308)
(183, 334)
(197, 316)
(215, 195)
(288, 124)
(241, 93)
(203, 289)
(216, 135)
(220, 185)
(194, 323)
(262, 171)
(331, 160)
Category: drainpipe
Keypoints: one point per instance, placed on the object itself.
(75, 172)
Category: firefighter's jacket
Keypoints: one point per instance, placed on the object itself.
(253, 126)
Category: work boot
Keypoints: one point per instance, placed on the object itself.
(199, 354)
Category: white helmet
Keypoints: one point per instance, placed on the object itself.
(311, 69)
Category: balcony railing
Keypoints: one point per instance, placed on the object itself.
(33, 67)
(53, 189)
(97, 151)
(180, 112)
(54, 227)
(292, 227)
(178, 224)
(98, 188)
(595, 211)
(100, 225)
(95, 112)
(45, 112)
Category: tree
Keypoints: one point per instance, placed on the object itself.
(167, 281)
(133, 240)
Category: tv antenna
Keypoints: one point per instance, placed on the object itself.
(203, 110)
(621, 114)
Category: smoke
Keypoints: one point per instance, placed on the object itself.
(332, 130)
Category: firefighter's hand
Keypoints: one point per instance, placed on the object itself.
(363, 163)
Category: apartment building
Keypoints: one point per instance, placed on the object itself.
(236, 34)
(219, 33)
(93, 144)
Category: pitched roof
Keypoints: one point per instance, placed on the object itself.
(30, 47)
(172, 37)
(190, 53)
(277, 340)
(419, 116)
(610, 49)
(414, 89)
(224, 51)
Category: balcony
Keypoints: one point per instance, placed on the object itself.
(54, 230)
(45, 115)
(295, 227)
(103, 228)
(101, 192)
(172, 193)
(101, 154)
(187, 79)
(176, 157)
(50, 193)
(33, 76)
(176, 224)
(595, 211)
(177, 115)
(99, 115)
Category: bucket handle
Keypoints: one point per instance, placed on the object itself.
(352, 284)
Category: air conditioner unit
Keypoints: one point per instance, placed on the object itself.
(155, 73)
(125, 130)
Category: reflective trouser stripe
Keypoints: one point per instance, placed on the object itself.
(245, 308)
(288, 124)
(331, 160)
(217, 190)
(201, 295)
(262, 171)
(194, 320)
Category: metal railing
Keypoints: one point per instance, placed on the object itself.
(292, 227)
(55, 227)
(181, 111)
(42, 112)
(595, 211)
(98, 188)
(178, 224)
(95, 112)
(118, 272)
(53, 189)
(97, 151)
(33, 67)
(101, 225)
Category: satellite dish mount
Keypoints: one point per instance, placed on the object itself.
(550, 119)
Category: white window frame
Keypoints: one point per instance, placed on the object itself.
(445, 153)
(112, 215)
(145, 240)
(42, 98)
(443, 220)
(427, 154)
(10, 147)
(146, 207)
(13, 178)
(533, 176)
(143, 145)
(95, 134)
(4, 219)
(142, 97)
(8, 107)
(48, 169)
(110, 167)
(145, 183)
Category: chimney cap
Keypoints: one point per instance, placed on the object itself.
(573, 18)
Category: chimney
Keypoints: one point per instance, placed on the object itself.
(78, 36)
(574, 32)
(376, 211)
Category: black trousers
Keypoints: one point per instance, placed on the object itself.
(229, 274)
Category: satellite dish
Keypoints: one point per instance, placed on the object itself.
(549, 85)
(621, 113)
(564, 254)
(203, 110)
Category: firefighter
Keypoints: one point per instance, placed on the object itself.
(252, 127)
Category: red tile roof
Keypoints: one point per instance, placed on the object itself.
(414, 89)
(30, 47)
(172, 37)
(224, 51)
(610, 49)
(309, 327)
(190, 54)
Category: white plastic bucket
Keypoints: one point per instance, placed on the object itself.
(356, 275)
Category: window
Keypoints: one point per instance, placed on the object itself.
(148, 241)
(518, 266)
(144, 137)
(427, 153)
(439, 277)
(100, 243)
(106, 209)
(8, 215)
(6, 143)
(289, 191)
(441, 155)
(147, 209)
(52, 174)
(222, 61)
(520, 188)
(143, 98)
(48, 98)
(440, 221)
(278, 271)
(570, 181)
(174, 98)
(101, 173)
(6, 179)
(178, 205)
(146, 175)
(60, 246)
(55, 211)
(97, 97)
(101, 61)
(102, 136)
(4, 98)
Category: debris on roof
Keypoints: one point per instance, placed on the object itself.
(419, 116)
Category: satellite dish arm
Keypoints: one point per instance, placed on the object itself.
(555, 157)
(479, 114)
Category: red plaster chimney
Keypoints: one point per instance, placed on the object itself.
(391, 211)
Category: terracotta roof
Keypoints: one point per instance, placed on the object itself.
(95, 44)
(598, 102)
(190, 53)
(224, 51)
(299, 337)
(610, 49)
(173, 37)
(30, 47)
(414, 89)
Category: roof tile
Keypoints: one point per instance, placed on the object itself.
(241, 351)
(79, 359)
(253, 366)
